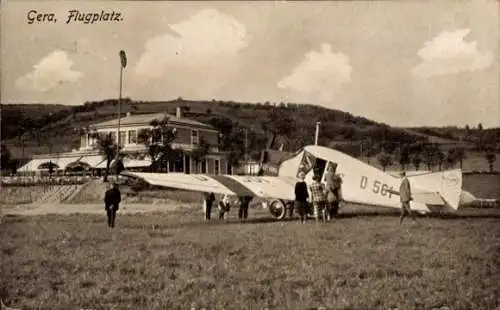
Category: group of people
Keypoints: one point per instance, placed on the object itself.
(325, 198)
(224, 206)
(112, 199)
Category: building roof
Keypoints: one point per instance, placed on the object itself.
(145, 119)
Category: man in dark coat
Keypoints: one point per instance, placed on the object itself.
(112, 200)
(209, 199)
(244, 204)
(301, 196)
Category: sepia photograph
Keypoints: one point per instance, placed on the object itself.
(207, 155)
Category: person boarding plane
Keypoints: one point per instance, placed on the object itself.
(361, 183)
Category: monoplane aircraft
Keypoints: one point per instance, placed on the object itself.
(361, 183)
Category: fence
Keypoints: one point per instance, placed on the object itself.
(40, 180)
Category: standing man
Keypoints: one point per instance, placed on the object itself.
(209, 201)
(244, 204)
(301, 196)
(405, 197)
(333, 197)
(112, 199)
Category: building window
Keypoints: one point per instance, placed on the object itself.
(92, 140)
(216, 167)
(123, 137)
(84, 141)
(132, 137)
(195, 137)
(203, 166)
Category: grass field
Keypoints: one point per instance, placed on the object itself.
(176, 261)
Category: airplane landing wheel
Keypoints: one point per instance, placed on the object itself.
(278, 209)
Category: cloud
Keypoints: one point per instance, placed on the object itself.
(321, 74)
(448, 53)
(206, 39)
(50, 72)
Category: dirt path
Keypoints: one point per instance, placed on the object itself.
(126, 208)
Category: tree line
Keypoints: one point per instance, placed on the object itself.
(429, 155)
(247, 128)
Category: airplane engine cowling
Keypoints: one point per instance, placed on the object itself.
(277, 208)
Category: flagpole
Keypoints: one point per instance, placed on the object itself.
(123, 64)
(120, 104)
(317, 133)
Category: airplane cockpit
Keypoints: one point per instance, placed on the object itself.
(307, 163)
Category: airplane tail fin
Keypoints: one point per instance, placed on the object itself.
(448, 184)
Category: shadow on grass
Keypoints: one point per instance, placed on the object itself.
(444, 216)
(188, 223)
(185, 219)
(199, 223)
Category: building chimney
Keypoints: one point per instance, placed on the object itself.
(178, 112)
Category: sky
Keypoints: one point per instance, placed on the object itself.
(404, 63)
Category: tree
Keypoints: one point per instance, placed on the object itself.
(349, 149)
(225, 128)
(416, 160)
(117, 166)
(431, 155)
(384, 160)
(491, 157)
(278, 122)
(5, 158)
(440, 157)
(233, 159)
(388, 147)
(200, 151)
(158, 142)
(26, 127)
(404, 157)
(460, 155)
(451, 158)
(232, 139)
(107, 148)
(369, 150)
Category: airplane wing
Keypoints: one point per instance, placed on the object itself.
(262, 186)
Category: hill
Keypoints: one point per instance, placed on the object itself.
(472, 136)
(15, 117)
(56, 128)
(43, 125)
